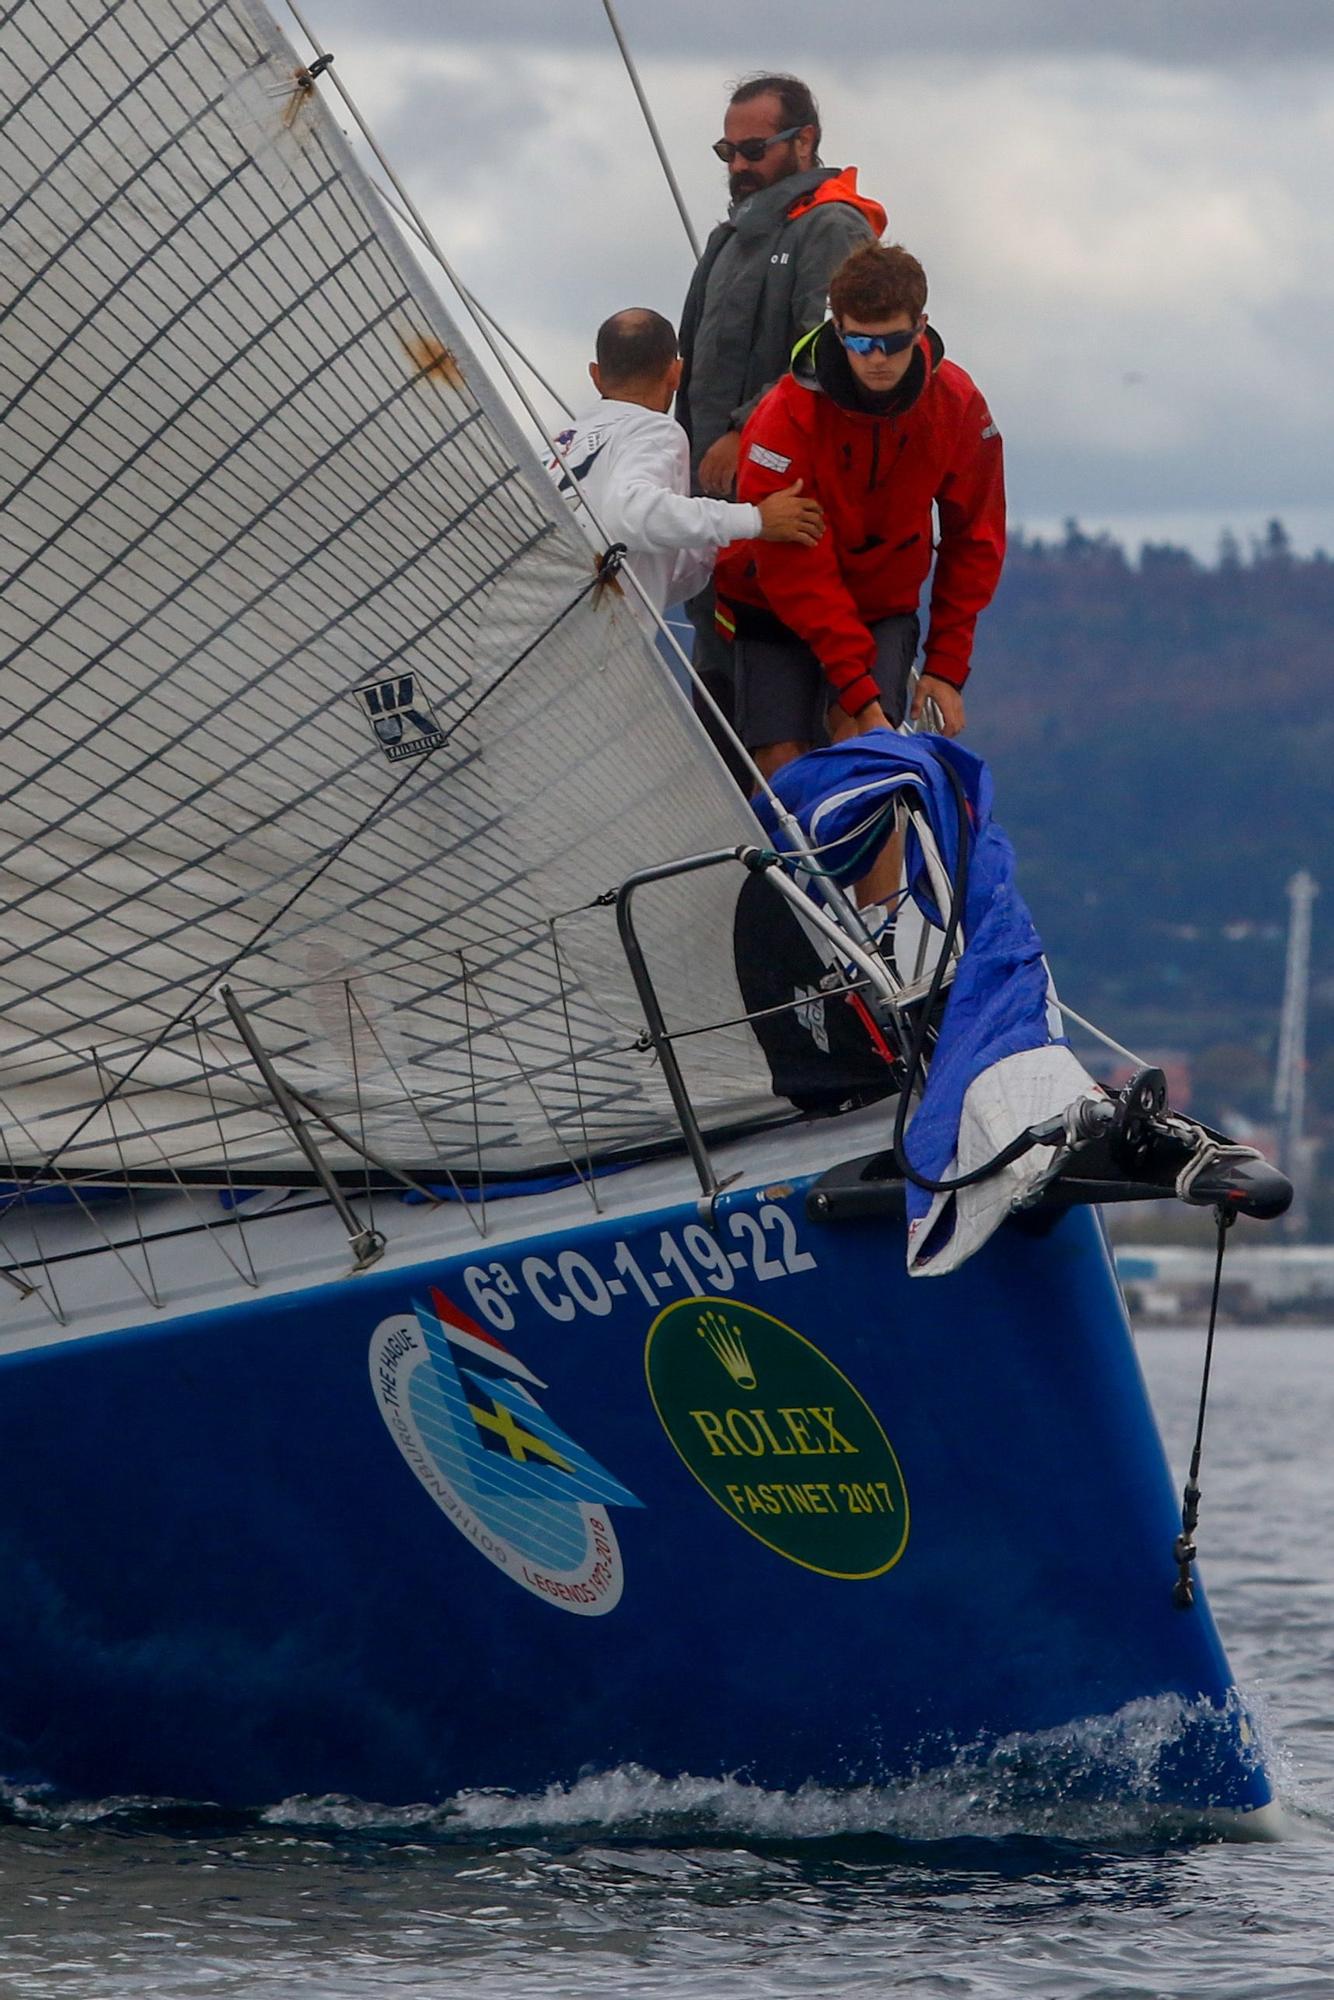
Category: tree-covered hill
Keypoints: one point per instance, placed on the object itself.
(1162, 738)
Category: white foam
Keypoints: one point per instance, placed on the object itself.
(1094, 1779)
(1090, 1781)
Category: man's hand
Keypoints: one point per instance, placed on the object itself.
(786, 517)
(948, 699)
(717, 468)
(839, 725)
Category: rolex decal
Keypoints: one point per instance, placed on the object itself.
(778, 1437)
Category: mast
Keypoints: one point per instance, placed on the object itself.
(1290, 1073)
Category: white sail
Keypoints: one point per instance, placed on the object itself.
(304, 687)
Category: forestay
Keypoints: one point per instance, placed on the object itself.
(305, 686)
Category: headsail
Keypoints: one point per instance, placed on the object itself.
(304, 681)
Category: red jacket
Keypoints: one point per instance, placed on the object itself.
(876, 478)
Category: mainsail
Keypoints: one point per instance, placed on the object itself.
(307, 686)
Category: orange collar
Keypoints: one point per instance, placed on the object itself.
(841, 187)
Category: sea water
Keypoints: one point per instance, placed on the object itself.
(983, 1881)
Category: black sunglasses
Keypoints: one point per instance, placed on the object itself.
(752, 149)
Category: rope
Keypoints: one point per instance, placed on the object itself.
(1183, 1549)
(869, 835)
(1207, 1154)
(1025, 1140)
(843, 908)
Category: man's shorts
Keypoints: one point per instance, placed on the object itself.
(782, 693)
(713, 661)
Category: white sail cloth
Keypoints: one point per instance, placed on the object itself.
(270, 547)
(1021, 1090)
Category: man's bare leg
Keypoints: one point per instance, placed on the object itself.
(884, 878)
(771, 757)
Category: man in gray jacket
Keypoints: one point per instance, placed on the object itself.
(760, 285)
(765, 272)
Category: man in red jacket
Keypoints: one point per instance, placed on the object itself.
(879, 427)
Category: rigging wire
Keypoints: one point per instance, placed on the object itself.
(610, 563)
(653, 131)
(1100, 1035)
(473, 303)
(606, 569)
(845, 911)
(843, 906)
(1183, 1549)
(485, 319)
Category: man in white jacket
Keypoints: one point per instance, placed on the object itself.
(632, 463)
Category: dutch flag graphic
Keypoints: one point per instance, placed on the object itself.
(461, 1330)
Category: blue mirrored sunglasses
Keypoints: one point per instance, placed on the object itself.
(879, 343)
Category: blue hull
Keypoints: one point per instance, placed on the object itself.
(422, 1531)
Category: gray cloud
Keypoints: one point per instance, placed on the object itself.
(1083, 222)
(840, 34)
(461, 128)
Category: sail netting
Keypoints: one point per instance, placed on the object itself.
(307, 689)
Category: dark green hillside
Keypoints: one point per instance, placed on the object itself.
(1162, 737)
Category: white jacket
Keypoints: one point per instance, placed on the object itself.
(633, 467)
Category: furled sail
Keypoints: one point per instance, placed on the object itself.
(306, 687)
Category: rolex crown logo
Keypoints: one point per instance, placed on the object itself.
(727, 1344)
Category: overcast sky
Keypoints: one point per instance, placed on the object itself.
(1123, 206)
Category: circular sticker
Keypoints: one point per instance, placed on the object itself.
(778, 1436)
(462, 1410)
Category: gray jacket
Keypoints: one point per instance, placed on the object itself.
(762, 282)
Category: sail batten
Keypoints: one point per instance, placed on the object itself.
(306, 680)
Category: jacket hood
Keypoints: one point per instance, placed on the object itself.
(770, 205)
(820, 363)
(842, 186)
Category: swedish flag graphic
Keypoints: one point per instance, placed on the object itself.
(523, 1476)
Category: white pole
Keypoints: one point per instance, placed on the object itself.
(653, 131)
(1290, 1079)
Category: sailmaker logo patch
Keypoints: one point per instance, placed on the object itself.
(778, 1437)
(402, 723)
(462, 1410)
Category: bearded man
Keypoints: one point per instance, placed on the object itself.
(761, 283)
